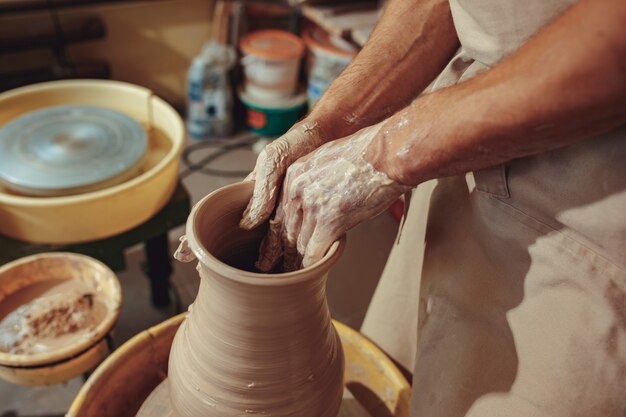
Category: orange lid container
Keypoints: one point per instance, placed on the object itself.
(272, 45)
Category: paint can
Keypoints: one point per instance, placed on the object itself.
(271, 63)
(327, 57)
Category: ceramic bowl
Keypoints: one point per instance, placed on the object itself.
(69, 361)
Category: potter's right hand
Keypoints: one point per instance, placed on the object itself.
(271, 166)
(326, 193)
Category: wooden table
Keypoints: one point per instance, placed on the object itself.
(152, 233)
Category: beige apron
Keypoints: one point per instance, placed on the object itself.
(506, 292)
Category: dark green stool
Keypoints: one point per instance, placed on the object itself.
(152, 233)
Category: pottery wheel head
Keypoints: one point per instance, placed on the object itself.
(61, 148)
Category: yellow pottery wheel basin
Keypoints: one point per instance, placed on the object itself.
(120, 385)
(70, 353)
(109, 211)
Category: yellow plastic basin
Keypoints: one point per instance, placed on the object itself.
(110, 211)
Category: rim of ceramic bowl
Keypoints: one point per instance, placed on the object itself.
(67, 352)
(204, 256)
(58, 372)
(177, 140)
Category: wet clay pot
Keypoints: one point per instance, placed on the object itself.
(253, 343)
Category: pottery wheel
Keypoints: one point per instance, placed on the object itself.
(158, 404)
(69, 149)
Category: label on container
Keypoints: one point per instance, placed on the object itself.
(209, 115)
(323, 72)
(315, 91)
(256, 119)
(214, 104)
(272, 75)
(195, 90)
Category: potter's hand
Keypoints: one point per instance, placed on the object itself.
(271, 166)
(325, 194)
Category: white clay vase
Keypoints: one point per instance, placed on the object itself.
(252, 343)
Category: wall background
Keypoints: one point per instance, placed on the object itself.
(149, 43)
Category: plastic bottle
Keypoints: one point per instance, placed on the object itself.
(209, 96)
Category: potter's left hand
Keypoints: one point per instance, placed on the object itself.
(324, 194)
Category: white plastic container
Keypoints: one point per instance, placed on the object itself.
(209, 96)
(328, 56)
(271, 63)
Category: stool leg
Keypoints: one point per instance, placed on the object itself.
(159, 269)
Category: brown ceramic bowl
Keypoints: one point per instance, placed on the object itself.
(74, 359)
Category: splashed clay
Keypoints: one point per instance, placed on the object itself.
(47, 315)
(253, 344)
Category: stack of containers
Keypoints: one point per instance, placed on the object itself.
(270, 93)
(328, 56)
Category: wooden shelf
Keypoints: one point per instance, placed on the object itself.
(14, 6)
(350, 21)
(93, 69)
(85, 29)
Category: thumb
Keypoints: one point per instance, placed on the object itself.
(319, 243)
(267, 174)
(250, 177)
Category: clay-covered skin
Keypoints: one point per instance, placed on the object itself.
(271, 166)
(523, 106)
(532, 102)
(325, 194)
(416, 39)
(252, 344)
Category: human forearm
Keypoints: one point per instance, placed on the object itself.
(408, 48)
(564, 85)
(411, 44)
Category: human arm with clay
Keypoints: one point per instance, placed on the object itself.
(532, 102)
(410, 45)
